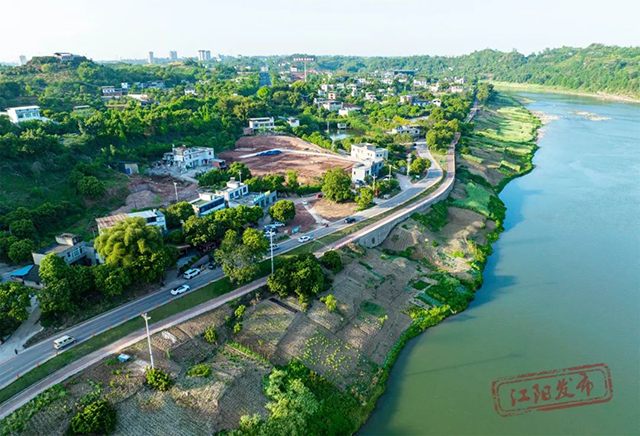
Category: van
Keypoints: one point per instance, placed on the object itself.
(191, 273)
(62, 342)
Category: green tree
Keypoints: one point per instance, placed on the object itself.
(20, 251)
(15, 299)
(240, 171)
(91, 187)
(332, 261)
(336, 185)
(98, 418)
(283, 211)
(136, 246)
(419, 166)
(177, 213)
(23, 229)
(364, 198)
(301, 275)
(110, 280)
(238, 256)
(292, 180)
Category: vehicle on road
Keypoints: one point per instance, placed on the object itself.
(350, 220)
(305, 202)
(191, 273)
(180, 289)
(63, 341)
(319, 196)
(304, 238)
(273, 247)
(212, 265)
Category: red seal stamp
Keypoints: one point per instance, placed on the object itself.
(550, 390)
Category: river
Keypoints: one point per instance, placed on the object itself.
(561, 289)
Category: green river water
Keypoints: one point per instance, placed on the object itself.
(561, 289)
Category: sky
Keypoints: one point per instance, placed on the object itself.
(129, 29)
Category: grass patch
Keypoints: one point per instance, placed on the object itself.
(477, 199)
(372, 309)
(435, 219)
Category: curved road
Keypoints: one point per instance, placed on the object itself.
(43, 351)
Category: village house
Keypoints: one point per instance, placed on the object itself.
(371, 161)
(190, 157)
(411, 129)
(68, 246)
(347, 109)
(152, 217)
(408, 98)
(24, 113)
(332, 105)
(262, 124)
(206, 203)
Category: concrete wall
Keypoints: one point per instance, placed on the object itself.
(376, 236)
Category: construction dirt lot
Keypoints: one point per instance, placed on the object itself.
(310, 167)
(155, 191)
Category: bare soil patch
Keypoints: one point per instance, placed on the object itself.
(156, 191)
(334, 211)
(309, 167)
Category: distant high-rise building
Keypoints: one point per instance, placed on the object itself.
(173, 56)
(204, 55)
(150, 58)
(23, 60)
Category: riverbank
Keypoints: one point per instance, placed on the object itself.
(530, 87)
(337, 361)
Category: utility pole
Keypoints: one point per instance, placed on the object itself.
(327, 126)
(146, 322)
(374, 184)
(408, 163)
(175, 186)
(271, 234)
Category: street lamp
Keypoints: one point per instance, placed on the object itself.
(271, 235)
(146, 322)
(175, 186)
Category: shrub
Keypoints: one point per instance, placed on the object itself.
(332, 261)
(98, 417)
(283, 211)
(199, 371)
(331, 303)
(158, 379)
(211, 335)
(91, 187)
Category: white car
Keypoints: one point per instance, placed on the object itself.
(304, 239)
(180, 289)
(305, 202)
(273, 247)
(191, 273)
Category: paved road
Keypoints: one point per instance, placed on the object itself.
(43, 351)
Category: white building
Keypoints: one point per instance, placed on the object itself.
(152, 217)
(456, 89)
(364, 152)
(436, 102)
(67, 246)
(234, 190)
(293, 122)
(362, 170)
(410, 129)
(24, 113)
(173, 55)
(151, 58)
(434, 88)
(189, 157)
(333, 95)
(65, 56)
(348, 109)
(207, 202)
(420, 83)
(204, 55)
(332, 105)
(262, 124)
(23, 60)
(190, 91)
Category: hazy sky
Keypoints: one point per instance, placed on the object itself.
(130, 28)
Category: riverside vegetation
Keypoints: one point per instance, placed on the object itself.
(276, 369)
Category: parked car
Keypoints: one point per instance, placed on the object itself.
(212, 265)
(63, 341)
(350, 220)
(180, 289)
(319, 196)
(277, 224)
(305, 202)
(304, 239)
(191, 273)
